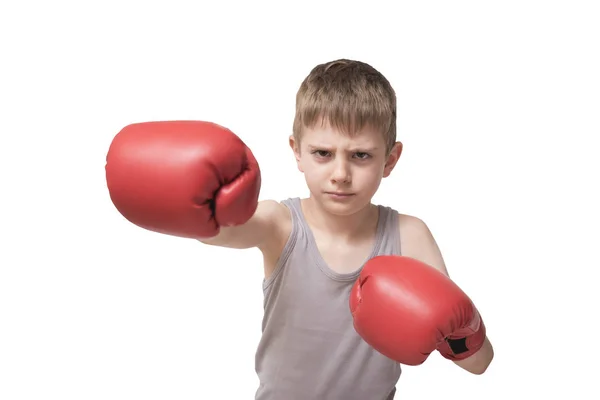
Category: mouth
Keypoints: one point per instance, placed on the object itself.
(339, 194)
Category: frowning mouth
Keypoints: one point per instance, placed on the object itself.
(340, 194)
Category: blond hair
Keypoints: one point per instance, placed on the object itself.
(350, 96)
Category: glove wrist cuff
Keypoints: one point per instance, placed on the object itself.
(457, 347)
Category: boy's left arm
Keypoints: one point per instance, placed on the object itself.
(419, 243)
(478, 362)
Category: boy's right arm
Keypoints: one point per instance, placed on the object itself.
(190, 179)
(261, 231)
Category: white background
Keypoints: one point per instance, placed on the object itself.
(499, 112)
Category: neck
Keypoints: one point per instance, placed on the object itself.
(346, 227)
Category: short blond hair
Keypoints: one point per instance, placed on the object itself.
(349, 95)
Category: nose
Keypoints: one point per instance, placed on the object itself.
(341, 172)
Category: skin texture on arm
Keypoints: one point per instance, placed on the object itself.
(419, 243)
(257, 232)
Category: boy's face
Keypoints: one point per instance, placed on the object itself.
(343, 172)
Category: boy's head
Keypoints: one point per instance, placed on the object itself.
(348, 95)
(344, 132)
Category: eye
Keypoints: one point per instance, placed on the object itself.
(361, 155)
(321, 153)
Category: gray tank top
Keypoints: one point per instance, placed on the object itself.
(309, 349)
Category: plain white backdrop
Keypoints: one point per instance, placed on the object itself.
(499, 113)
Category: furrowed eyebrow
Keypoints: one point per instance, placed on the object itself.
(351, 150)
(363, 149)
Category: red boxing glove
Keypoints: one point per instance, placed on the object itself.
(182, 178)
(406, 309)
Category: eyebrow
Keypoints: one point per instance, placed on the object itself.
(351, 150)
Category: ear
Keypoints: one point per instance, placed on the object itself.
(392, 159)
(295, 145)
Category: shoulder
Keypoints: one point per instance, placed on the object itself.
(279, 220)
(275, 210)
(280, 229)
(417, 241)
(412, 227)
(272, 209)
(415, 235)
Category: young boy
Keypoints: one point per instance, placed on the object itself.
(352, 289)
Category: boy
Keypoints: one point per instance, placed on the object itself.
(352, 289)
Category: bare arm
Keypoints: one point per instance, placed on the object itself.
(260, 231)
(419, 243)
(480, 361)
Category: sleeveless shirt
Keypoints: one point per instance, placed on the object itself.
(309, 349)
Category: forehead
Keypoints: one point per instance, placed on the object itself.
(327, 135)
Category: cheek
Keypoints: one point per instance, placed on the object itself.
(368, 175)
(309, 171)
(367, 180)
(313, 173)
